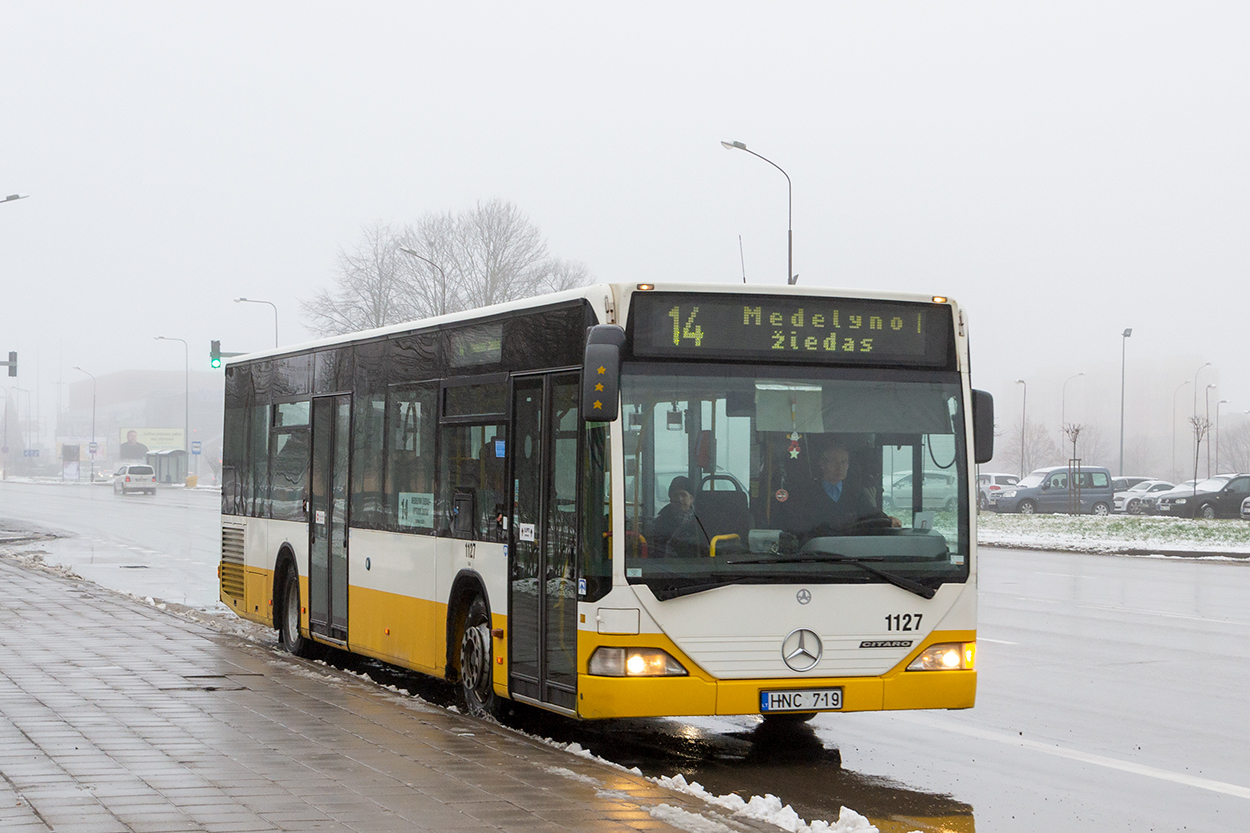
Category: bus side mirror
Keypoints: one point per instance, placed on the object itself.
(601, 373)
(983, 426)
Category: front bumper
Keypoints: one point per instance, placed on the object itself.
(700, 694)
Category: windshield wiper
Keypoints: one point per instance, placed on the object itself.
(822, 557)
(672, 591)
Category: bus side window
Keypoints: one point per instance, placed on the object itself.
(410, 469)
(471, 463)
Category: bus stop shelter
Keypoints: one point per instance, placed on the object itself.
(170, 465)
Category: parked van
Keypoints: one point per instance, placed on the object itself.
(1059, 489)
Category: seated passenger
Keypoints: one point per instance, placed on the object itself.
(831, 505)
(676, 530)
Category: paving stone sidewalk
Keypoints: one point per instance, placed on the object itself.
(116, 717)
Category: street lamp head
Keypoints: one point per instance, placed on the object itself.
(1019, 381)
(236, 300)
(1128, 332)
(733, 146)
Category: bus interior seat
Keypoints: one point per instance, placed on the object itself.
(723, 513)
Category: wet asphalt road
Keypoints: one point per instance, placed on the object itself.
(1111, 690)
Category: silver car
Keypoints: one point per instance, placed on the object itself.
(1131, 501)
(940, 492)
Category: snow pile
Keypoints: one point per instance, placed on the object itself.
(769, 809)
(1131, 535)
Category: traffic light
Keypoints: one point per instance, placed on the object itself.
(12, 363)
(214, 353)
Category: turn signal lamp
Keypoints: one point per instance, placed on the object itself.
(939, 299)
(634, 662)
(646, 287)
(947, 656)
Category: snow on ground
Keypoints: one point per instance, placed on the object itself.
(1117, 534)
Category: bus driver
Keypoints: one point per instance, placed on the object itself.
(830, 505)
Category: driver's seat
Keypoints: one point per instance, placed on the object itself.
(723, 513)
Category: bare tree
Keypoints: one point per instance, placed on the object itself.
(1094, 448)
(1235, 448)
(1142, 456)
(1039, 448)
(370, 290)
(1073, 432)
(1202, 427)
(488, 255)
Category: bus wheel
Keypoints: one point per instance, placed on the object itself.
(288, 624)
(476, 669)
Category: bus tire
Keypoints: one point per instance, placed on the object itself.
(477, 686)
(1027, 507)
(289, 635)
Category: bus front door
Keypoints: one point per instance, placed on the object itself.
(542, 564)
(327, 518)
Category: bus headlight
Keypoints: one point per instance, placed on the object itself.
(947, 656)
(634, 662)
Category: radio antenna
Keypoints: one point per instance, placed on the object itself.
(743, 258)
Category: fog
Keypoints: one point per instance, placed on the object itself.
(1064, 170)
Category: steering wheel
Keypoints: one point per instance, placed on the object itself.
(710, 478)
(876, 522)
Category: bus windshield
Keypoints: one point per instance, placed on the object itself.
(738, 474)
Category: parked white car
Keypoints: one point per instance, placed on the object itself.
(989, 484)
(1131, 500)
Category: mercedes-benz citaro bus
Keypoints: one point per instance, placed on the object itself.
(623, 500)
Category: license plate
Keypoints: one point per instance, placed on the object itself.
(801, 700)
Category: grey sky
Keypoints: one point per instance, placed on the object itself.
(1064, 170)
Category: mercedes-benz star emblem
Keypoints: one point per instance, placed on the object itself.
(801, 650)
(804, 596)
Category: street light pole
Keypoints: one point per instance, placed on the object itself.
(1124, 336)
(7, 394)
(186, 430)
(275, 314)
(1217, 433)
(442, 307)
(1178, 390)
(30, 461)
(791, 278)
(1207, 396)
(1024, 422)
(93, 446)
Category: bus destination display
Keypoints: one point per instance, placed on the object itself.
(809, 329)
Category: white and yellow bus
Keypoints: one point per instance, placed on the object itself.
(479, 497)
